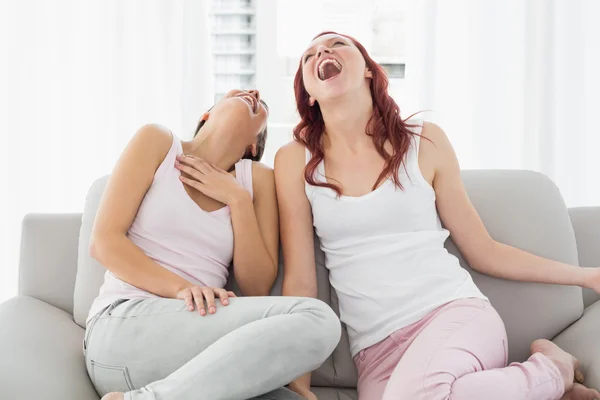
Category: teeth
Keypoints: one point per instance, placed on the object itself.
(328, 61)
(250, 100)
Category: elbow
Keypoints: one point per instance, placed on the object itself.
(96, 248)
(483, 256)
(100, 246)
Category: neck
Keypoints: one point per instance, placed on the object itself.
(212, 149)
(346, 120)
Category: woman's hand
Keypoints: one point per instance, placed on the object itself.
(209, 179)
(195, 295)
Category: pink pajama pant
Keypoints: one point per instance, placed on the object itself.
(457, 352)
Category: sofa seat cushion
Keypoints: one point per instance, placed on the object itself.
(581, 340)
(324, 393)
(41, 353)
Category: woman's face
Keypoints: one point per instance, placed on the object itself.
(332, 66)
(242, 113)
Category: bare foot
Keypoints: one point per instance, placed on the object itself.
(579, 378)
(566, 363)
(580, 392)
(114, 396)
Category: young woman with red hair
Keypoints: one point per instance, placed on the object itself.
(372, 184)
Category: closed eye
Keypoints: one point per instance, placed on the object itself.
(339, 42)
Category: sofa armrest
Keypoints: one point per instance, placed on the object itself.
(586, 223)
(48, 263)
(581, 340)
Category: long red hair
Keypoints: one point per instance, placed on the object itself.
(384, 125)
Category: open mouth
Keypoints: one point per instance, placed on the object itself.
(329, 68)
(251, 100)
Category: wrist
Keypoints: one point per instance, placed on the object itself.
(239, 197)
(587, 277)
(178, 286)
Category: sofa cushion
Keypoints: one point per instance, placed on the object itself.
(49, 254)
(335, 394)
(586, 223)
(90, 273)
(41, 350)
(581, 340)
(525, 209)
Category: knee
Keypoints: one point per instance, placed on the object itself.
(326, 330)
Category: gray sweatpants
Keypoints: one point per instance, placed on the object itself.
(156, 349)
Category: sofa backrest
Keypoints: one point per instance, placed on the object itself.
(90, 273)
(524, 209)
(519, 208)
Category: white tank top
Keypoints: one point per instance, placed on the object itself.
(385, 253)
(174, 232)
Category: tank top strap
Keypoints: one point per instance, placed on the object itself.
(243, 174)
(319, 176)
(166, 168)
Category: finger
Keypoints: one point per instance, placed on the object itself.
(208, 166)
(199, 300)
(193, 172)
(199, 186)
(194, 162)
(231, 294)
(220, 170)
(222, 294)
(210, 300)
(189, 302)
(193, 183)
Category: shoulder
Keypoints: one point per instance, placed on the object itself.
(436, 148)
(291, 156)
(154, 133)
(263, 178)
(434, 140)
(292, 149)
(153, 140)
(262, 173)
(433, 132)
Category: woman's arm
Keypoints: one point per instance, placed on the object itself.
(256, 234)
(300, 278)
(483, 253)
(125, 190)
(255, 225)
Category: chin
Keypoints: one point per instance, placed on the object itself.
(328, 96)
(334, 90)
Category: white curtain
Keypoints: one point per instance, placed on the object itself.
(77, 78)
(514, 83)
